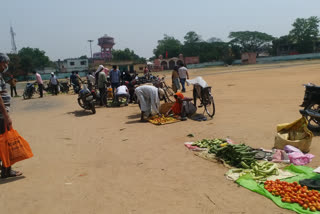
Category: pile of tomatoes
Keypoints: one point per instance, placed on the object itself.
(294, 193)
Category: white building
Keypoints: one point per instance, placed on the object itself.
(69, 65)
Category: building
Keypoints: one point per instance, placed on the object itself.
(69, 65)
(106, 44)
(169, 64)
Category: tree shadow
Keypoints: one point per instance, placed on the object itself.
(11, 179)
(80, 113)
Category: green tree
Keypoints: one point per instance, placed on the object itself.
(305, 33)
(214, 39)
(251, 41)
(192, 37)
(168, 44)
(127, 55)
(32, 59)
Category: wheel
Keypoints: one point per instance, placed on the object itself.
(313, 123)
(93, 108)
(167, 97)
(210, 107)
(170, 91)
(80, 102)
(24, 95)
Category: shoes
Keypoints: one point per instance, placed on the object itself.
(184, 118)
(183, 91)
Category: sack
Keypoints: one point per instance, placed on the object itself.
(13, 148)
(285, 135)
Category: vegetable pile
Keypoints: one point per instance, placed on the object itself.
(259, 170)
(294, 193)
(239, 155)
(208, 143)
(162, 120)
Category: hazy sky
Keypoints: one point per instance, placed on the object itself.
(62, 27)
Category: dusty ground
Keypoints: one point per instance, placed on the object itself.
(111, 163)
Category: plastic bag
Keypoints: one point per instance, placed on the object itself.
(197, 81)
(290, 149)
(13, 148)
(298, 158)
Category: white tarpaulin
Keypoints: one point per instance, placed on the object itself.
(198, 81)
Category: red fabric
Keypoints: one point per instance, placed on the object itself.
(176, 108)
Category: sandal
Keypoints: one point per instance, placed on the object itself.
(8, 172)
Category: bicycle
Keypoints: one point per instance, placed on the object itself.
(206, 99)
(168, 91)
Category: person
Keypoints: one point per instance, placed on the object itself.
(5, 120)
(175, 79)
(146, 70)
(149, 99)
(91, 81)
(102, 80)
(74, 81)
(183, 75)
(122, 91)
(182, 107)
(39, 82)
(12, 82)
(114, 78)
(54, 84)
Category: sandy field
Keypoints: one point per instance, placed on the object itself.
(111, 163)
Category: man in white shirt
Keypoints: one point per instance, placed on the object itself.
(54, 84)
(91, 81)
(122, 91)
(183, 76)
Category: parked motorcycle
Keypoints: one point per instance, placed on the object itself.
(86, 100)
(76, 88)
(311, 104)
(64, 87)
(29, 91)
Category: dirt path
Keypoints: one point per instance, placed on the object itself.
(111, 163)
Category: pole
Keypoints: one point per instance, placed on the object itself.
(90, 41)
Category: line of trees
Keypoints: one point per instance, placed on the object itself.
(303, 38)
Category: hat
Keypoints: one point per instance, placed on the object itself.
(161, 93)
(4, 57)
(52, 73)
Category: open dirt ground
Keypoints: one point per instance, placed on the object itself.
(111, 163)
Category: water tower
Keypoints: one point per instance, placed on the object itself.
(106, 43)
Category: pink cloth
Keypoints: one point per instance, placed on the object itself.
(39, 79)
(106, 70)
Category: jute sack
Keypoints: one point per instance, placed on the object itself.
(284, 131)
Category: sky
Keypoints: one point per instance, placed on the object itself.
(62, 28)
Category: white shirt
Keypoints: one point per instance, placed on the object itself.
(183, 72)
(122, 90)
(91, 78)
(53, 80)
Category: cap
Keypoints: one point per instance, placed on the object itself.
(52, 73)
(4, 57)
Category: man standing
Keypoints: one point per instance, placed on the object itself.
(91, 81)
(102, 80)
(122, 91)
(149, 99)
(54, 84)
(12, 82)
(114, 78)
(5, 120)
(74, 81)
(183, 75)
(39, 82)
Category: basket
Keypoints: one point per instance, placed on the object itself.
(164, 108)
(304, 145)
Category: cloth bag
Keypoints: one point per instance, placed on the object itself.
(13, 148)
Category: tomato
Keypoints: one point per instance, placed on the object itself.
(318, 207)
(301, 203)
(283, 200)
(313, 209)
(299, 186)
(305, 206)
(295, 183)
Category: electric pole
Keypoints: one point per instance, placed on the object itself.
(90, 41)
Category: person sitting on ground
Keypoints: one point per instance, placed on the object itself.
(54, 84)
(5, 120)
(12, 82)
(149, 100)
(182, 107)
(122, 91)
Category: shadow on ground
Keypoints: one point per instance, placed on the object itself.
(12, 179)
(135, 116)
(80, 113)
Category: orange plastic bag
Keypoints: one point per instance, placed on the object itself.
(13, 148)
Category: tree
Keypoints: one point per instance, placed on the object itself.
(282, 44)
(192, 37)
(168, 44)
(251, 41)
(127, 55)
(214, 39)
(305, 33)
(32, 59)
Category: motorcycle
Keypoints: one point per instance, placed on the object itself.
(29, 91)
(76, 88)
(311, 105)
(86, 100)
(64, 87)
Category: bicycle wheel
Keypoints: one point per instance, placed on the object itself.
(210, 107)
(167, 97)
